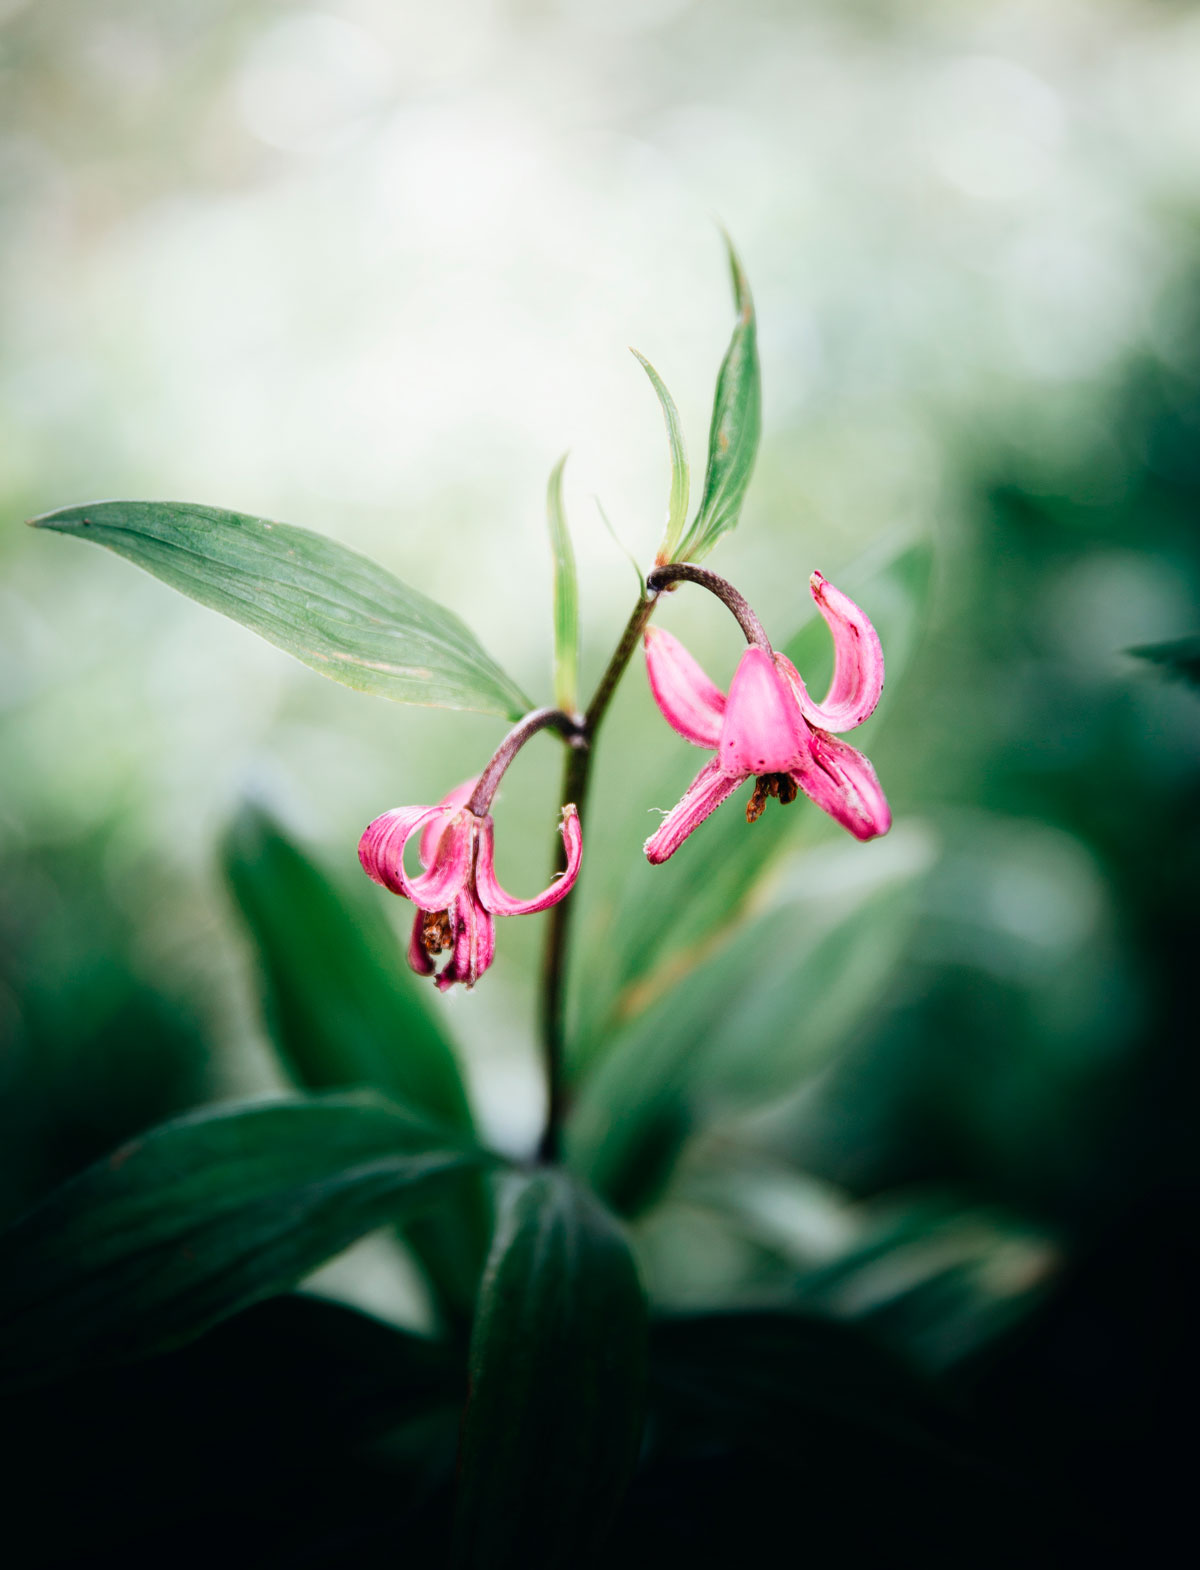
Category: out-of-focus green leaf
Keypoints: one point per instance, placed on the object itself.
(774, 1380)
(337, 611)
(762, 1007)
(557, 1381)
(660, 922)
(202, 1216)
(566, 596)
(734, 433)
(935, 1281)
(342, 1011)
(677, 503)
(1179, 658)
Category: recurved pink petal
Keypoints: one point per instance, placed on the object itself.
(857, 663)
(474, 943)
(839, 779)
(500, 903)
(381, 852)
(763, 731)
(448, 806)
(381, 848)
(704, 795)
(688, 699)
(418, 958)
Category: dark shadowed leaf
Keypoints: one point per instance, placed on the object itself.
(201, 1216)
(936, 1281)
(734, 433)
(775, 1379)
(337, 611)
(557, 1380)
(1180, 658)
(344, 1010)
(327, 1436)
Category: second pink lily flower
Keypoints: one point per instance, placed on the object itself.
(768, 727)
(458, 894)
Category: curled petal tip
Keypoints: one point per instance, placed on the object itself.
(858, 663)
(498, 901)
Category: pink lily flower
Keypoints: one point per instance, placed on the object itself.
(769, 727)
(458, 894)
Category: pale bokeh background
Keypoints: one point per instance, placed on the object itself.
(370, 267)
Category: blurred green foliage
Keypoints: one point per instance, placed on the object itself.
(920, 1113)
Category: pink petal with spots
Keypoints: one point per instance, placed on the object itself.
(688, 699)
(857, 663)
(840, 780)
(704, 795)
(763, 731)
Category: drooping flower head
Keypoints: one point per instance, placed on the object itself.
(457, 894)
(770, 729)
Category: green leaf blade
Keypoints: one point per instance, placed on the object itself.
(1179, 659)
(566, 596)
(343, 1011)
(202, 1216)
(677, 503)
(338, 612)
(558, 1369)
(734, 431)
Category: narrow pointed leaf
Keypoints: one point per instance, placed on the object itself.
(558, 1366)
(734, 432)
(622, 547)
(343, 1010)
(677, 503)
(339, 612)
(200, 1217)
(1179, 659)
(566, 596)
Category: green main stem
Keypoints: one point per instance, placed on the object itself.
(576, 779)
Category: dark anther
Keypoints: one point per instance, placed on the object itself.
(781, 786)
(436, 933)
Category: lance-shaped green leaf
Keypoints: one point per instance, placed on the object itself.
(557, 1378)
(202, 1216)
(340, 1008)
(734, 432)
(566, 596)
(1179, 658)
(343, 1010)
(339, 612)
(677, 503)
